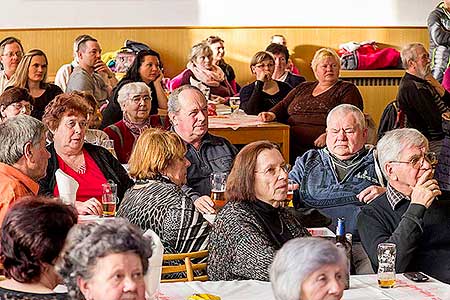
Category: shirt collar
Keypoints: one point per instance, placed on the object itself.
(394, 197)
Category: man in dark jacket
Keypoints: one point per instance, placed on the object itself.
(408, 214)
(439, 31)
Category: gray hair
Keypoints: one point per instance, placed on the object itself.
(199, 49)
(90, 241)
(130, 89)
(392, 144)
(297, 259)
(173, 103)
(351, 109)
(321, 54)
(409, 53)
(15, 133)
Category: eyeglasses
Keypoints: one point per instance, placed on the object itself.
(262, 66)
(417, 160)
(11, 54)
(275, 171)
(20, 106)
(72, 123)
(137, 99)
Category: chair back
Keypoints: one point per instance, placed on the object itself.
(185, 265)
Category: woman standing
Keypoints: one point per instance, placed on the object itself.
(31, 74)
(264, 93)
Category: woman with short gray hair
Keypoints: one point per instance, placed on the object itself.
(306, 267)
(136, 103)
(105, 261)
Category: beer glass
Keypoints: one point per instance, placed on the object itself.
(386, 265)
(218, 186)
(109, 196)
(109, 145)
(290, 193)
(235, 102)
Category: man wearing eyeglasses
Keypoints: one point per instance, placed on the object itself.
(421, 96)
(342, 177)
(409, 213)
(23, 159)
(11, 51)
(91, 75)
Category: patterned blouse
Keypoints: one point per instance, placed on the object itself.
(162, 206)
(6, 294)
(240, 245)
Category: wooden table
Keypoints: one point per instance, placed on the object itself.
(273, 131)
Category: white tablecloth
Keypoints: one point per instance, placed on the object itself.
(361, 287)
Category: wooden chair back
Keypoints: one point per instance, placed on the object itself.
(187, 266)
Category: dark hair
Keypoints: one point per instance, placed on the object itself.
(213, 39)
(133, 72)
(9, 40)
(33, 232)
(61, 104)
(81, 42)
(241, 181)
(277, 49)
(15, 94)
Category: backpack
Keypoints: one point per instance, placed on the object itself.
(392, 118)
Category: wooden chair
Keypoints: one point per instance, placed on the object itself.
(188, 266)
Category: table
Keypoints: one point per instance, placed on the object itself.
(361, 287)
(245, 129)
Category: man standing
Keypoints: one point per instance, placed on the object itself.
(342, 177)
(91, 75)
(408, 214)
(23, 159)
(421, 96)
(188, 113)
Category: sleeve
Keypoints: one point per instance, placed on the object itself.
(438, 33)
(251, 97)
(186, 78)
(281, 109)
(351, 95)
(373, 230)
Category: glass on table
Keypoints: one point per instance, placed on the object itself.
(235, 102)
(218, 187)
(292, 186)
(386, 265)
(109, 199)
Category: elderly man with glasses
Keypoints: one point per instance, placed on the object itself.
(409, 213)
(342, 177)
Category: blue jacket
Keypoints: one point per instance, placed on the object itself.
(320, 187)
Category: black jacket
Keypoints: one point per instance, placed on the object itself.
(108, 164)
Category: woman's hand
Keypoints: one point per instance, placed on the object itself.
(218, 99)
(320, 142)
(89, 207)
(205, 205)
(266, 116)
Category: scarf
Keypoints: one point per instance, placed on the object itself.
(271, 219)
(211, 77)
(136, 128)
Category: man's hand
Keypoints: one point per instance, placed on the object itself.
(89, 207)
(266, 116)
(434, 83)
(320, 142)
(370, 193)
(425, 190)
(205, 205)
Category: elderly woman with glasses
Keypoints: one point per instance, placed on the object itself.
(409, 213)
(15, 101)
(203, 74)
(309, 269)
(105, 261)
(264, 93)
(31, 74)
(306, 107)
(136, 103)
(67, 118)
(11, 51)
(253, 225)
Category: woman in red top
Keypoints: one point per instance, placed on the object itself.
(91, 166)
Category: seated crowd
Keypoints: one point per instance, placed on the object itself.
(162, 167)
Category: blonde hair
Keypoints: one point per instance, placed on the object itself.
(20, 77)
(322, 54)
(154, 151)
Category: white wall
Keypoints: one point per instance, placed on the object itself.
(118, 13)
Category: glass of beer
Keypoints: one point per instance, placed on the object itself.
(218, 186)
(109, 196)
(109, 145)
(386, 265)
(290, 193)
(235, 102)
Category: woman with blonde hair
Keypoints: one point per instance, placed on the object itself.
(156, 201)
(31, 74)
(306, 107)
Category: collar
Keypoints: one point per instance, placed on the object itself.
(394, 197)
(284, 76)
(414, 77)
(354, 158)
(29, 183)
